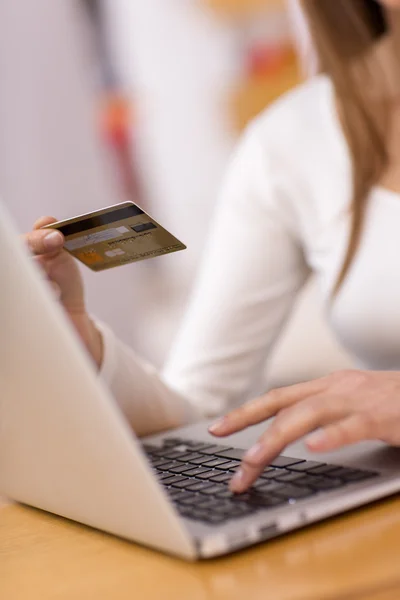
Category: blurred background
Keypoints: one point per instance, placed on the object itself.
(107, 100)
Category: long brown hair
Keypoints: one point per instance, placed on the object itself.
(343, 33)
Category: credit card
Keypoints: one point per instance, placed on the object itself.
(115, 236)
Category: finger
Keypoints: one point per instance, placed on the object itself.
(350, 430)
(266, 406)
(43, 221)
(45, 241)
(292, 424)
(244, 478)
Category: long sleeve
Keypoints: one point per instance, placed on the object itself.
(252, 269)
(148, 403)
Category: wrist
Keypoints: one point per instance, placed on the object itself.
(90, 336)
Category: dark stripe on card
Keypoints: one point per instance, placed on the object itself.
(101, 220)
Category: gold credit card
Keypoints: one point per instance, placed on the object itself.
(115, 236)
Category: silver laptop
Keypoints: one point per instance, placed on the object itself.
(66, 448)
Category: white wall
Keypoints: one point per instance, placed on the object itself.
(50, 158)
(178, 59)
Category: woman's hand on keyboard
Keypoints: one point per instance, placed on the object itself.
(334, 411)
(63, 274)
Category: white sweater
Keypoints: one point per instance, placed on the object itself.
(283, 212)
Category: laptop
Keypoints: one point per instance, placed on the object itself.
(66, 448)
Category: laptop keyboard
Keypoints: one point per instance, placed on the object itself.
(196, 477)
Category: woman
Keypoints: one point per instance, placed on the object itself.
(314, 186)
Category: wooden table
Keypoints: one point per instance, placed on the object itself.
(356, 556)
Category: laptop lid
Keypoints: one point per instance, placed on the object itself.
(65, 447)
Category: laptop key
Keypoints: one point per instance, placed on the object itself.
(221, 478)
(231, 453)
(161, 476)
(166, 466)
(327, 484)
(212, 519)
(291, 476)
(175, 454)
(270, 486)
(198, 446)
(216, 449)
(272, 473)
(265, 500)
(159, 462)
(172, 479)
(228, 495)
(188, 456)
(324, 469)
(215, 489)
(189, 513)
(194, 472)
(359, 476)
(174, 494)
(198, 513)
(240, 510)
(190, 443)
(212, 464)
(260, 483)
(282, 462)
(245, 497)
(209, 503)
(207, 475)
(305, 465)
(231, 465)
(199, 486)
(180, 468)
(161, 453)
(294, 493)
(148, 448)
(308, 480)
(188, 499)
(351, 475)
(225, 494)
(187, 482)
(232, 508)
(200, 460)
(340, 471)
(267, 470)
(223, 505)
(234, 513)
(172, 442)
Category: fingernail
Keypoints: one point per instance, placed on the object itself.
(217, 426)
(317, 438)
(53, 241)
(255, 454)
(237, 481)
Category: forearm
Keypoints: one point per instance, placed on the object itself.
(90, 336)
